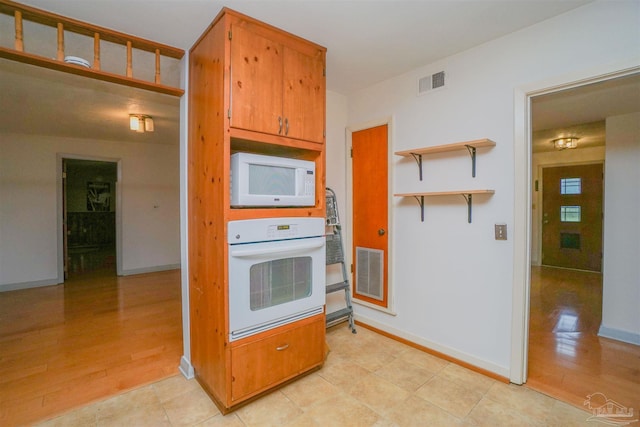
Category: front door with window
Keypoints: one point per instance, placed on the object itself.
(572, 217)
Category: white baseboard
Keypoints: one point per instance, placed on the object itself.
(150, 269)
(453, 353)
(56, 281)
(28, 285)
(619, 334)
(186, 368)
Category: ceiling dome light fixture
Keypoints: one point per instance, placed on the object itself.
(564, 143)
(140, 123)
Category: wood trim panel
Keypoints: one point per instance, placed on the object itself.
(207, 201)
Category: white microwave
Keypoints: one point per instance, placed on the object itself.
(258, 180)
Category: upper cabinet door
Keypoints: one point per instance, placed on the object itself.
(276, 88)
(304, 95)
(256, 82)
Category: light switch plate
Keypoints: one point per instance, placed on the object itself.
(501, 231)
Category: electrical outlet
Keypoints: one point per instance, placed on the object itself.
(501, 231)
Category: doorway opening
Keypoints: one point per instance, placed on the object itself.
(565, 354)
(89, 223)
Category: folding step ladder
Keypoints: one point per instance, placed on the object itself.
(335, 255)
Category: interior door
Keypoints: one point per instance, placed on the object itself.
(370, 214)
(572, 216)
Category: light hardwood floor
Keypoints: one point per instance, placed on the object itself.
(95, 336)
(567, 359)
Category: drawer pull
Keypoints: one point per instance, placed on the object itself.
(282, 347)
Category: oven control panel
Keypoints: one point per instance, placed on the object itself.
(268, 229)
(282, 231)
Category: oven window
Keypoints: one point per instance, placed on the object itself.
(279, 281)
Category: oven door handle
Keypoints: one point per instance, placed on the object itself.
(239, 253)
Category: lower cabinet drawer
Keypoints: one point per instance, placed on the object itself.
(266, 361)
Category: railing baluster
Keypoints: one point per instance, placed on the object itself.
(158, 66)
(129, 60)
(60, 55)
(96, 51)
(19, 43)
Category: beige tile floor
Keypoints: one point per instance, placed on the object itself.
(367, 380)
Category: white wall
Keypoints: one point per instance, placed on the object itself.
(621, 275)
(336, 157)
(453, 282)
(29, 205)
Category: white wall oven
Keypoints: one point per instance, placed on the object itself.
(276, 273)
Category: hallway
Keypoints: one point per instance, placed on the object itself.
(567, 358)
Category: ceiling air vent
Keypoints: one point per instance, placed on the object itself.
(429, 83)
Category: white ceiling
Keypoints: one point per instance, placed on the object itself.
(367, 40)
(580, 112)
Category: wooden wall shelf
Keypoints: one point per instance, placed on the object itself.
(467, 194)
(21, 12)
(471, 146)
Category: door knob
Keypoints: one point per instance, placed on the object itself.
(381, 232)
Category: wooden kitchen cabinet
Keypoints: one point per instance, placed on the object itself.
(231, 109)
(286, 352)
(277, 84)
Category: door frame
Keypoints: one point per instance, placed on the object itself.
(522, 198)
(349, 249)
(60, 157)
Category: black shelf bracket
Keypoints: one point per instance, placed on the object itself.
(472, 153)
(469, 200)
(418, 159)
(420, 200)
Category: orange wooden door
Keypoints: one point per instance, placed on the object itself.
(572, 217)
(370, 214)
(256, 82)
(304, 95)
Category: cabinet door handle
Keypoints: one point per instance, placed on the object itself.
(282, 347)
(286, 126)
(279, 125)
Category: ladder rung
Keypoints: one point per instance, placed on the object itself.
(345, 312)
(337, 286)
